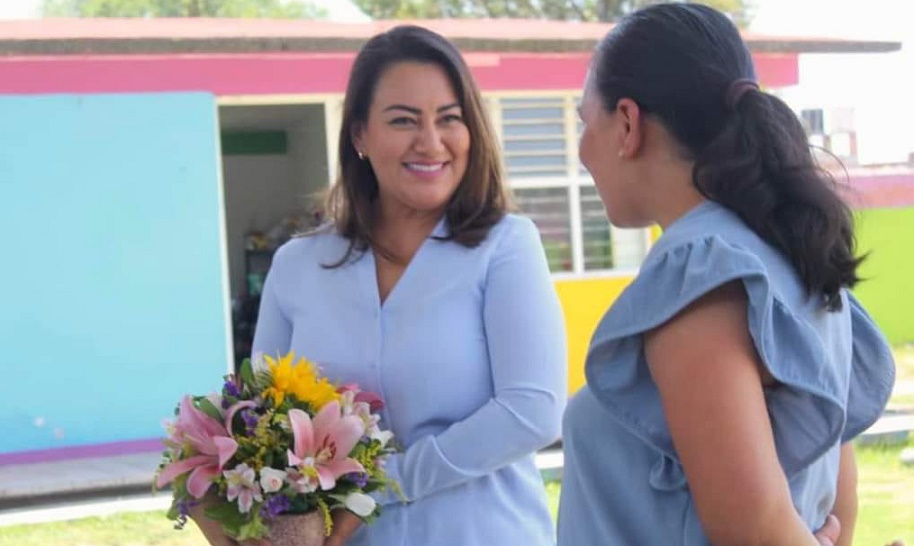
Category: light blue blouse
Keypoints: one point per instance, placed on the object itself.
(623, 483)
(468, 352)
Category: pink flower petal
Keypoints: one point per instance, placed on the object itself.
(232, 492)
(324, 419)
(345, 466)
(326, 477)
(177, 468)
(230, 414)
(293, 459)
(302, 433)
(245, 500)
(345, 434)
(225, 448)
(374, 400)
(200, 479)
(199, 423)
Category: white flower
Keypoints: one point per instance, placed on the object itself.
(347, 402)
(360, 504)
(241, 485)
(271, 479)
(382, 436)
(258, 364)
(304, 479)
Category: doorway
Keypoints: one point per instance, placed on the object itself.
(274, 171)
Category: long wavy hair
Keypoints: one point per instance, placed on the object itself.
(480, 199)
(678, 62)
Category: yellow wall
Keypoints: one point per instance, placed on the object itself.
(584, 301)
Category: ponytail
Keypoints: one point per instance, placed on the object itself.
(760, 166)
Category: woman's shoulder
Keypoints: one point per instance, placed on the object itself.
(513, 230)
(318, 246)
(706, 250)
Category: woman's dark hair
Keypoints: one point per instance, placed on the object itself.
(480, 200)
(687, 66)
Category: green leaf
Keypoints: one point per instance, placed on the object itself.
(228, 515)
(247, 373)
(255, 528)
(209, 408)
(223, 511)
(173, 511)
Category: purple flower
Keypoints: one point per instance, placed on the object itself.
(184, 507)
(230, 389)
(274, 505)
(250, 421)
(358, 478)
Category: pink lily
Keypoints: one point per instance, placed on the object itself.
(374, 400)
(321, 447)
(209, 441)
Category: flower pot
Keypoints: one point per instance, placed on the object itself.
(298, 530)
(211, 529)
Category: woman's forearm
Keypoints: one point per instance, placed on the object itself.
(846, 501)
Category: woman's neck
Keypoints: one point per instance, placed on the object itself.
(402, 235)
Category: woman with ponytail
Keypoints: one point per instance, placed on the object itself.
(726, 383)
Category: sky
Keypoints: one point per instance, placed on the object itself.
(23, 9)
(878, 86)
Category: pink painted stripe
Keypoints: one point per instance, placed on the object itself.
(82, 452)
(296, 73)
(876, 190)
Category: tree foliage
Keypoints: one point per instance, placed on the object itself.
(285, 9)
(563, 10)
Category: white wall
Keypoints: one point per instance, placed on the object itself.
(261, 190)
(308, 148)
(879, 86)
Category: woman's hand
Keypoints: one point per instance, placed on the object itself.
(212, 530)
(344, 524)
(830, 531)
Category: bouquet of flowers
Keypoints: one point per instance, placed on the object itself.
(280, 440)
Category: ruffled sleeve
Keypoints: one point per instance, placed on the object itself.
(809, 407)
(872, 373)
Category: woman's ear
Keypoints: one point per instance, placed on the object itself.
(631, 127)
(357, 135)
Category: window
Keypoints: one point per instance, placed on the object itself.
(813, 120)
(832, 129)
(595, 231)
(533, 137)
(539, 137)
(548, 208)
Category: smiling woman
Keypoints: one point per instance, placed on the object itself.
(411, 103)
(416, 141)
(424, 289)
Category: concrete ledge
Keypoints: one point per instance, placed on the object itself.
(19, 482)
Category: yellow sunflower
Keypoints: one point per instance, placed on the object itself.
(300, 380)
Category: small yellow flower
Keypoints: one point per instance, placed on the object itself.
(299, 379)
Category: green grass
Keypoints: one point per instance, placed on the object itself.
(886, 496)
(904, 363)
(904, 372)
(127, 529)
